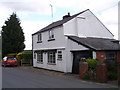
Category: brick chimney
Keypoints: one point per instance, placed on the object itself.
(66, 16)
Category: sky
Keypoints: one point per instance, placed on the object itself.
(36, 14)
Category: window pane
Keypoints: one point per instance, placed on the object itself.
(11, 58)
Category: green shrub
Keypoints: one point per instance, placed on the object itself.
(92, 63)
(12, 54)
(18, 56)
(112, 71)
(25, 57)
(112, 75)
(87, 77)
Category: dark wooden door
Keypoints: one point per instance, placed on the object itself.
(77, 57)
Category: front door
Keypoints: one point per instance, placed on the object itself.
(77, 57)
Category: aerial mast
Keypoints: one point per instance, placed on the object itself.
(51, 11)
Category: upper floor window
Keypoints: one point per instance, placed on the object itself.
(51, 34)
(39, 37)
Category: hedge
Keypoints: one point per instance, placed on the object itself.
(24, 57)
(12, 54)
(92, 63)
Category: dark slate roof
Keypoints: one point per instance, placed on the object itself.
(97, 43)
(58, 23)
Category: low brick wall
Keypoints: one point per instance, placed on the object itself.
(101, 73)
(83, 69)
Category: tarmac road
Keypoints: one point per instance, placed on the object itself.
(16, 77)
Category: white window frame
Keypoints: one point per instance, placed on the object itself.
(51, 57)
(40, 57)
(39, 37)
(59, 55)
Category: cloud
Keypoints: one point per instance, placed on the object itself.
(114, 30)
(110, 15)
(94, 5)
(4, 15)
(29, 6)
(30, 27)
(109, 18)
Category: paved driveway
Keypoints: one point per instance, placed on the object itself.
(17, 77)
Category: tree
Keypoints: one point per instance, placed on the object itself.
(12, 36)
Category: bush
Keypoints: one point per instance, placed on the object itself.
(112, 75)
(12, 54)
(87, 77)
(112, 71)
(18, 56)
(25, 57)
(92, 63)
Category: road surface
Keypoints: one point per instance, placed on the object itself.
(16, 77)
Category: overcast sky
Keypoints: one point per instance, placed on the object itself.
(36, 14)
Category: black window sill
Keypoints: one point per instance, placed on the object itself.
(51, 63)
(39, 42)
(51, 39)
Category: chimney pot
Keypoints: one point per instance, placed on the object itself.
(68, 13)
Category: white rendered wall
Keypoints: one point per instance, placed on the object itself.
(70, 27)
(91, 26)
(86, 25)
(59, 41)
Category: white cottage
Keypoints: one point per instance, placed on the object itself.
(60, 45)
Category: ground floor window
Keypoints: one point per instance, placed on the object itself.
(40, 57)
(51, 57)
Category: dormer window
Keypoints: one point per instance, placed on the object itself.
(51, 35)
(39, 38)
